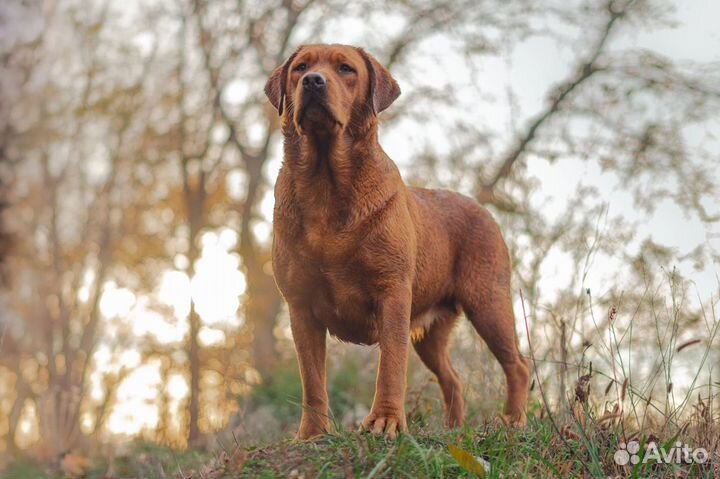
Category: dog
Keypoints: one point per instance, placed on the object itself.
(361, 256)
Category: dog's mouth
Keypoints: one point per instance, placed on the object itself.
(316, 115)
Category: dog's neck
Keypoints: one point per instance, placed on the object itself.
(329, 172)
(328, 158)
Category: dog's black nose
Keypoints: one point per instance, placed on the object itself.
(314, 82)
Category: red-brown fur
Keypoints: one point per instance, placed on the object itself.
(358, 254)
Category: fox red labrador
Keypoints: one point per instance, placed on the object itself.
(361, 256)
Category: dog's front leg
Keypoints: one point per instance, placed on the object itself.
(309, 337)
(388, 410)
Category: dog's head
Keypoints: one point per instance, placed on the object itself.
(328, 88)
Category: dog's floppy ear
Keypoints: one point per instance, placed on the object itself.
(276, 86)
(383, 88)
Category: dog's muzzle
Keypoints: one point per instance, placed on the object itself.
(314, 106)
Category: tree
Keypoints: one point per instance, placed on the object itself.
(70, 216)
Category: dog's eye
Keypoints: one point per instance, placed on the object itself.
(345, 68)
(301, 67)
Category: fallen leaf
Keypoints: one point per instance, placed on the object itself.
(469, 462)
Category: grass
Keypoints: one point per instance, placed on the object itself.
(534, 451)
(585, 447)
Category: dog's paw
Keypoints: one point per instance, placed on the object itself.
(310, 435)
(514, 420)
(389, 424)
(312, 431)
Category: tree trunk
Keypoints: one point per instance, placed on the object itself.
(195, 209)
(195, 213)
(194, 349)
(261, 309)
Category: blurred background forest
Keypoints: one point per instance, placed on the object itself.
(138, 154)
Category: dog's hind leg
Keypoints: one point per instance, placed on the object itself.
(495, 323)
(504, 346)
(432, 348)
(485, 294)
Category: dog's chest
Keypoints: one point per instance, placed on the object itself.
(339, 294)
(346, 303)
(325, 238)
